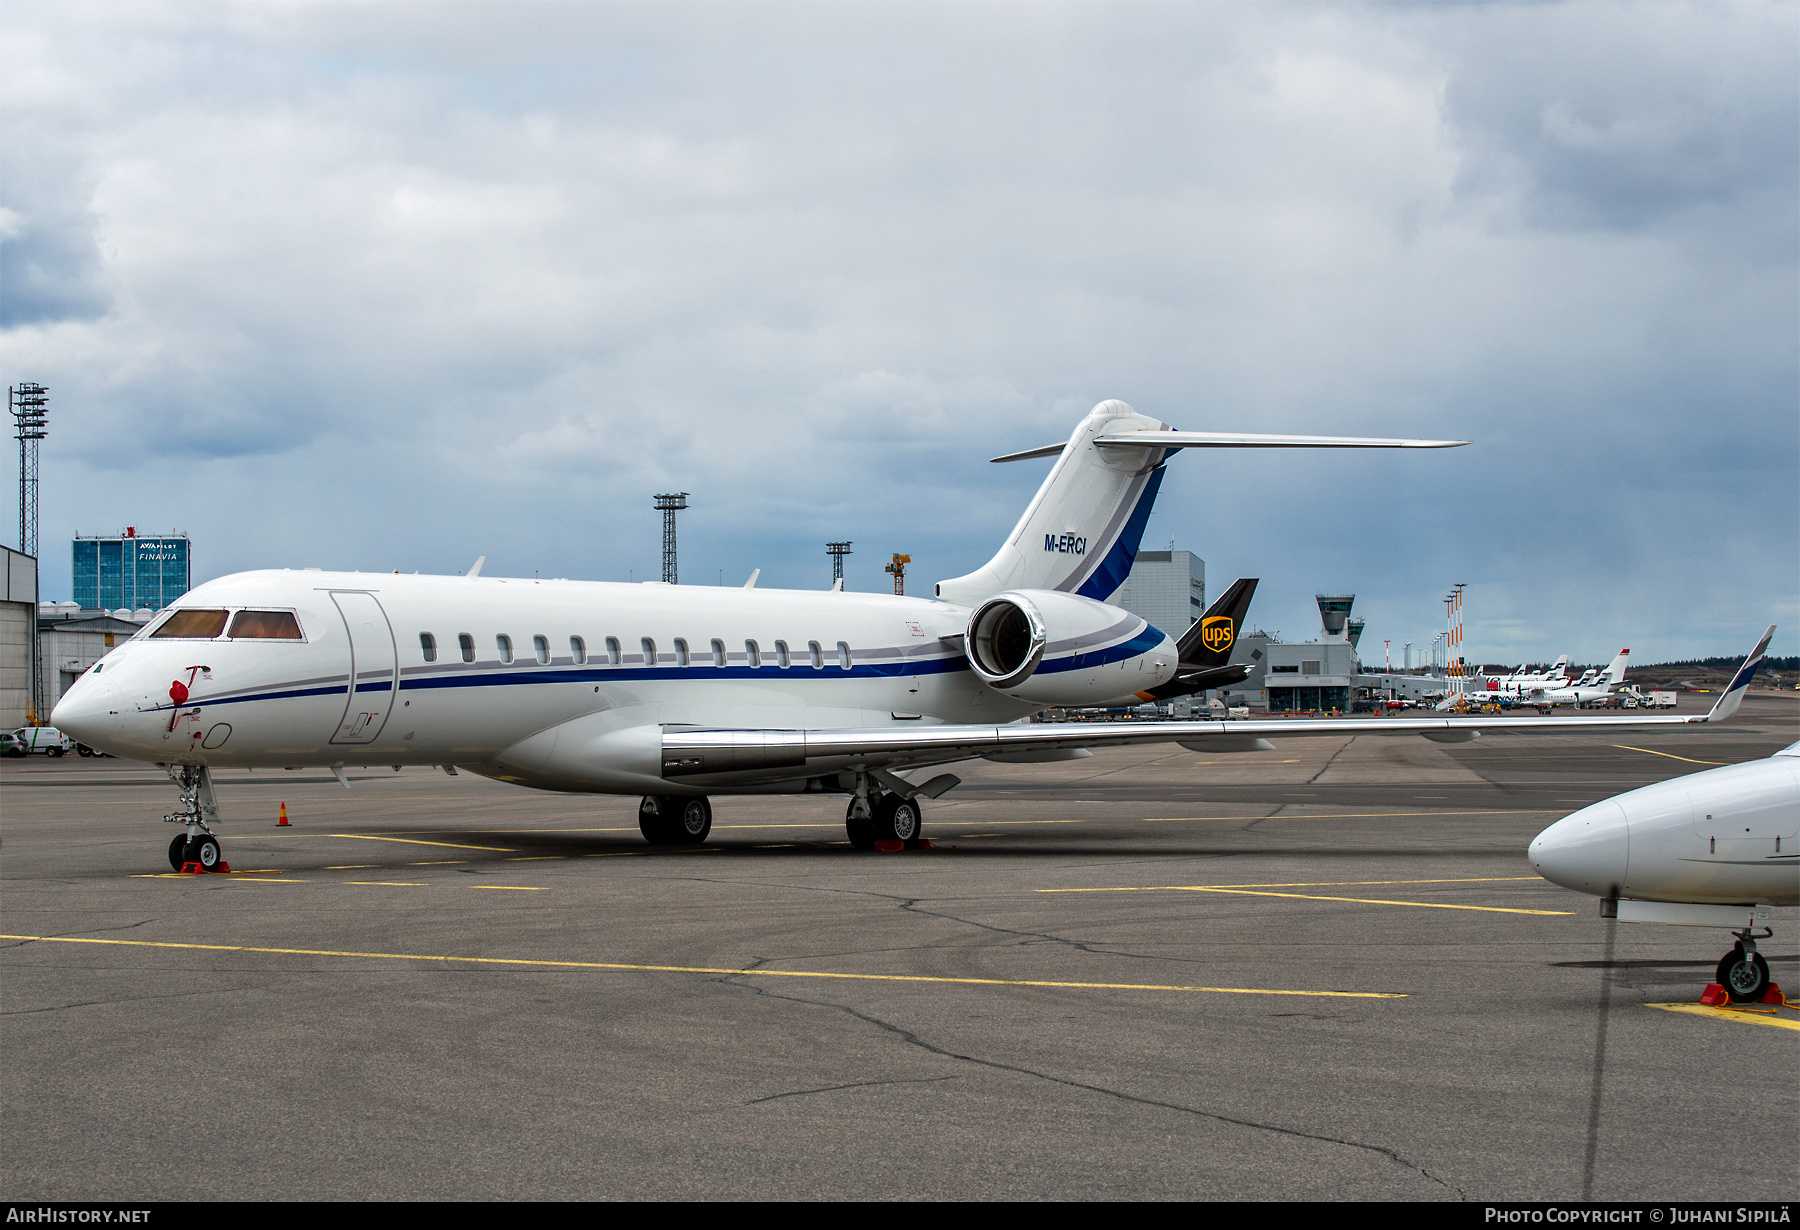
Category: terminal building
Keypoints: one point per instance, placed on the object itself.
(131, 571)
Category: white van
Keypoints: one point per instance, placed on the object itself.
(46, 739)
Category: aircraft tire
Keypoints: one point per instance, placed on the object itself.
(693, 820)
(204, 850)
(898, 819)
(860, 832)
(178, 852)
(653, 821)
(1744, 980)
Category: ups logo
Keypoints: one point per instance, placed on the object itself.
(1217, 633)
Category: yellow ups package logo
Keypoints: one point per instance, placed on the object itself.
(1217, 633)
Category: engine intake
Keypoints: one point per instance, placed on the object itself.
(1006, 640)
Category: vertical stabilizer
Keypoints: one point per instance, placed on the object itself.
(1615, 673)
(1081, 532)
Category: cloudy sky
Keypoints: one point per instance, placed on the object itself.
(393, 286)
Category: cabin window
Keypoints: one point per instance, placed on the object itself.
(718, 648)
(265, 626)
(467, 643)
(843, 655)
(818, 655)
(681, 652)
(752, 654)
(578, 647)
(428, 646)
(649, 648)
(613, 656)
(781, 655)
(192, 625)
(505, 643)
(540, 645)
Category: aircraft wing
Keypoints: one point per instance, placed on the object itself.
(701, 756)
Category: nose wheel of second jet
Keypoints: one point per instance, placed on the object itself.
(1744, 975)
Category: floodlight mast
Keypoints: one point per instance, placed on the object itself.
(669, 505)
(29, 405)
(837, 551)
(30, 410)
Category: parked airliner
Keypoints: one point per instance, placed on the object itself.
(678, 693)
(1712, 849)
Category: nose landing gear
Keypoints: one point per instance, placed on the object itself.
(199, 812)
(1743, 972)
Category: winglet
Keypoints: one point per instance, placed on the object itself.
(1740, 682)
(475, 571)
(751, 583)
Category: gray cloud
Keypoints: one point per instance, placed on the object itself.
(416, 283)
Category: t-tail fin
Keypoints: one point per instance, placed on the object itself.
(1081, 532)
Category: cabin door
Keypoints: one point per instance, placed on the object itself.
(374, 668)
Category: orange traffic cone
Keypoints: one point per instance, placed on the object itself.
(284, 820)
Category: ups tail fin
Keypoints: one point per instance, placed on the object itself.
(1740, 682)
(1209, 642)
(1080, 534)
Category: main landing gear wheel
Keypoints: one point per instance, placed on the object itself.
(673, 820)
(178, 852)
(859, 829)
(694, 822)
(898, 819)
(1745, 977)
(204, 850)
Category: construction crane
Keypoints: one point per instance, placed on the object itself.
(898, 568)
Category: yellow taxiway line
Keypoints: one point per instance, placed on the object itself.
(519, 962)
(1353, 815)
(1255, 890)
(1670, 755)
(413, 841)
(1167, 888)
(1746, 1015)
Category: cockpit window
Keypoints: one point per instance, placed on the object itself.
(193, 625)
(265, 626)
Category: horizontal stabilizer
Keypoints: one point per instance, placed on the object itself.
(1238, 439)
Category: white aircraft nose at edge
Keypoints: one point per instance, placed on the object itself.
(678, 693)
(1712, 849)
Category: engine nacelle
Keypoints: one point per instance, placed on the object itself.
(1053, 648)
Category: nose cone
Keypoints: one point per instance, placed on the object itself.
(1586, 850)
(86, 711)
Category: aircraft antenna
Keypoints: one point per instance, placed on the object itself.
(837, 551)
(898, 568)
(669, 505)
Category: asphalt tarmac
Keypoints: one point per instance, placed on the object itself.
(1323, 972)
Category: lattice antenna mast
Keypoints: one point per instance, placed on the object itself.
(837, 551)
(29, 406)
(669, 505)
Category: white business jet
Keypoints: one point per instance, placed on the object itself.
(1713, 849)
(677, 693)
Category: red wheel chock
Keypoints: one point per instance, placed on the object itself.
(195, 869)
(1716, 996)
